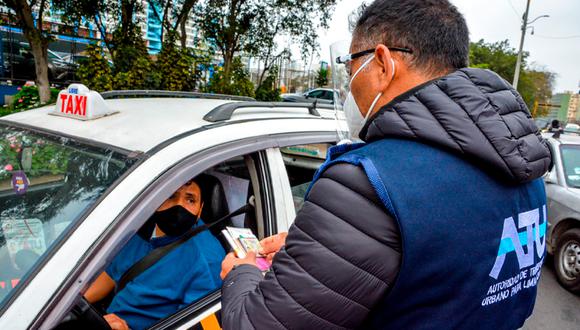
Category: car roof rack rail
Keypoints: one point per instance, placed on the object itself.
(225, 111)
(174, 94)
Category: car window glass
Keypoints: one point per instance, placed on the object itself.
(571, 160)
(46, 184)
(316, 94)
(301, 163)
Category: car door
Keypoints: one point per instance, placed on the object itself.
(279, 211)
(274, 216)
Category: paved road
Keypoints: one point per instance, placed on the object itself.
(556, 308)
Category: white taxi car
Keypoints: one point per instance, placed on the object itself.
(79, 179)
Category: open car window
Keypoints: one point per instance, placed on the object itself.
(224, 188)
(46, 185)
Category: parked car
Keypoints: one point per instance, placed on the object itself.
(563, 190)
(79, 179)
(323, 95)
(18, 63)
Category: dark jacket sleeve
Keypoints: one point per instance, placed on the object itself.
(341, 257)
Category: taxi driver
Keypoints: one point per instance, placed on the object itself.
(181, 277)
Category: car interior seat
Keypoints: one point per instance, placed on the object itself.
(215, 204)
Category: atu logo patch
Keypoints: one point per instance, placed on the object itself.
(513, 241)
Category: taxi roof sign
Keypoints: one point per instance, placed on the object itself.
(78, 102)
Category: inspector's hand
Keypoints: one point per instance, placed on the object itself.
(231, 260)
(115, 322)
(271, 245)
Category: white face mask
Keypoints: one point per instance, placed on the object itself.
(354, 118)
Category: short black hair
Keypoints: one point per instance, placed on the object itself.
(434, 30)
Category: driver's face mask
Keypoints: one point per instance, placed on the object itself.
(181, 211)
(354, 117)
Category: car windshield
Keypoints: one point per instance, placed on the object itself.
(47, 184)
(571, 159)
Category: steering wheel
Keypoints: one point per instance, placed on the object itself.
(83, 316)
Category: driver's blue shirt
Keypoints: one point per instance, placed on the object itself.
(183, 276)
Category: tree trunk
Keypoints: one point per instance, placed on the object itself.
(183, 36)
(127, 10)
(40, 53)
(182, 20)
(262, 74)
(38, 43)
(228, 60)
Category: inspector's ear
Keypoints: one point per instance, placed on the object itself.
(387, 65)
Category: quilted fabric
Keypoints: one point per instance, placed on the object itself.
(472, 112)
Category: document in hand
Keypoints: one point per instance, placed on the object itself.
(242, 240)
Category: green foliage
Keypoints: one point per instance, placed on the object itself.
(239, 82)
(140, 76)
(98, 75)
(322, 77)
(27, 98)
(95, 72)
(252, 26)
(128, 47)
(176, 67)
(47, 158)
(534, 85)
(267, 91)
(498, 57)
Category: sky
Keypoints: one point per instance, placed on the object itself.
(554, 46)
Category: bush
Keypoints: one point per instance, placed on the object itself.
(176, 67)
(141, 76)
(267, 90)
(238, 84)
(95, 71)
(322, 77)
(27, 98)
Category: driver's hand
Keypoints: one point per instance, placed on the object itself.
(115, 322)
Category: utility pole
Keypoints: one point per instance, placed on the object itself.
(521, 53)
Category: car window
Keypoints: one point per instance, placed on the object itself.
(571, 161)
(46, 185)
(302, 162)
(169, 288)
(327, 95)
(316, 94)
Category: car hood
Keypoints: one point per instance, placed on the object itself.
(471, 112)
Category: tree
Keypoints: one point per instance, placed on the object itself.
(267, 90)
(237, 83)
(535, 85)
(173, 17)
(127, 44)
(30, 15)
(132, 66)
(232, 26)
(178, 68)
(95, 71)
(322, 77)
(538, 86)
